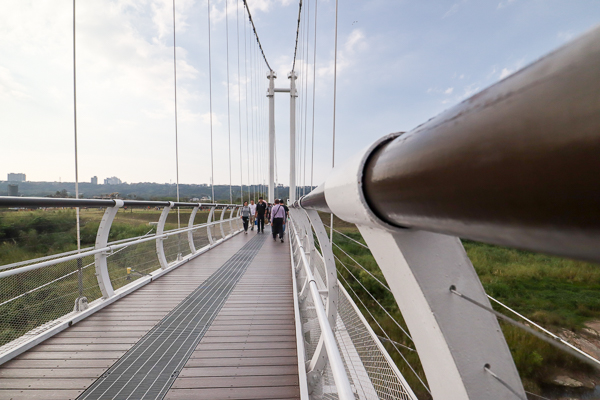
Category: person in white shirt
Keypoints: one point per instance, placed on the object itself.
(252, 214)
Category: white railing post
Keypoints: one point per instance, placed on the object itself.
(101, 241)
(209, 226)
(160, 249)
(191, 233)
(231, 220)
(222, 219)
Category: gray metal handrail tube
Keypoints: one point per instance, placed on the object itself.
(333, 354)
(13, 201)
(109, 248)
(515, 165)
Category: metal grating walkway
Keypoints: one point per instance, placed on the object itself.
(150, 367)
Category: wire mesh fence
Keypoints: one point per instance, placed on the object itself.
(34, 298)
(131, 263)
(200, 238)
(215, 229)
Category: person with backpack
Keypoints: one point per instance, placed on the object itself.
(277, 220)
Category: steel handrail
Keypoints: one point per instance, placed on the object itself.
(109, 248)
(334, 357)
(14, 201)
(514, 165)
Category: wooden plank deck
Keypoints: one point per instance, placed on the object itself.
(248, 353)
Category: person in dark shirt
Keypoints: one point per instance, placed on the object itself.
(261, 209)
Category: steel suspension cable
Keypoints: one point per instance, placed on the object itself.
(300, 109)
(252, 120)
(75, 125)
(334, 101)
(228, 93)
(248, 154)
(256, 35)
(239, 84)
(212, 170)
(301, 97)
(297, 33)
(306, 93)
(312, 141)
(176, 138)
(77, 218)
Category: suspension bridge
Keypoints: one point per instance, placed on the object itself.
(198, 309)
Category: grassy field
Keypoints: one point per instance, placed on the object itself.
(555, 292)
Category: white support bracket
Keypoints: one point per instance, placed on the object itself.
(221, 221)
(100, 258)
(231, 221)
(454, 339)
(160, 249)
(208, 226)
(191, 233)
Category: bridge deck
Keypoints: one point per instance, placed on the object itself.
(248, 352)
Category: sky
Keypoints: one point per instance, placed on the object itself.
(399, 63)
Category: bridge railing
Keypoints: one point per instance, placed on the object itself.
(515, 165)
(342, 356)
(40, 297)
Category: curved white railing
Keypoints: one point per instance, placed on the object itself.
(340, 355)
(41, 297)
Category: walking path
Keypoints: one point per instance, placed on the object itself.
(246, 351)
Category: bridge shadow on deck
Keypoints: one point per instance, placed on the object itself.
(249, 351)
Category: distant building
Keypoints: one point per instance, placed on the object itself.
(112, 181)
(16, 177)
(205, 198)
(94, 180)
(13, 190)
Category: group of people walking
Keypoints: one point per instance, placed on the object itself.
(255, 214)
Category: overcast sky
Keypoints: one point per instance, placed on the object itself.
(399, 64)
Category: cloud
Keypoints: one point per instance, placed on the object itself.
(505, 3)
(505, 72)
(565, 36)
(470, 90)
(454, 9)
(449, 90)
(348, 55)
(10, 89)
